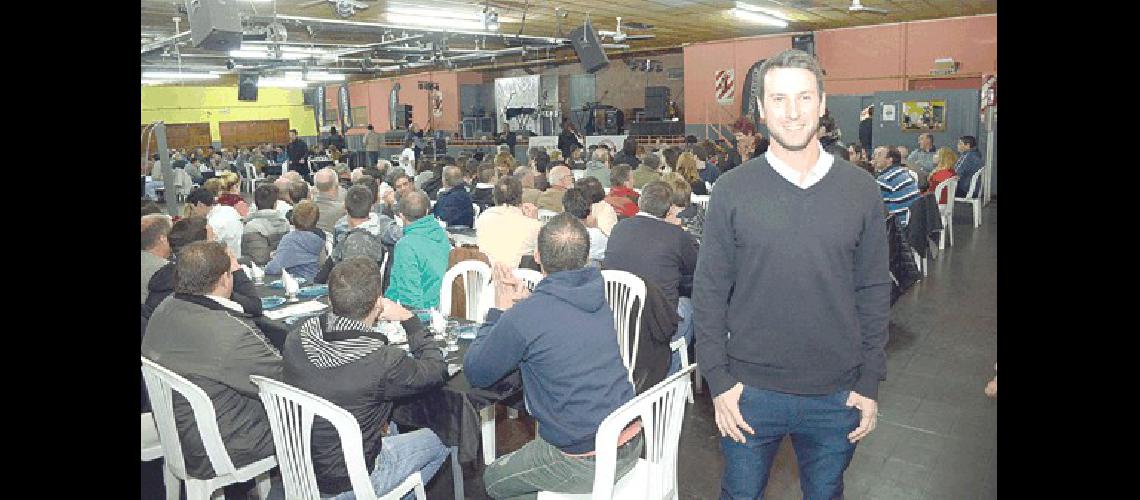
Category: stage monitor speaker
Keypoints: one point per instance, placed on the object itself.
(805, 43)
(588, 47)
(247, 87)
(214, 24)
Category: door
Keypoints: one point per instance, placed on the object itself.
(250, 133)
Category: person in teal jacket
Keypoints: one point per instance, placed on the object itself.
(420, 257)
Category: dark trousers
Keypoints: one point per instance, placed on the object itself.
(373, 157)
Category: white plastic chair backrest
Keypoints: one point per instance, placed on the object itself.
(291, 411)
(329, 246)
(975, 185)
(625, 293)
(946, 188)
(476, 277)
(160, 386)
(662, 411)
(528, 276)
(545, 215)
(702, 200)
(151, 446)
(250, 172)
(475, 208)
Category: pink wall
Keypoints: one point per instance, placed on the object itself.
(859, 60)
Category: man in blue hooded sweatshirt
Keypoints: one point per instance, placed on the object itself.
(562, 338)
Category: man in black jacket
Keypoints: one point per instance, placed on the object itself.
(792, 294)
(347, 357)
(298, 153)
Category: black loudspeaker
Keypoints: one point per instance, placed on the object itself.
(656, 102)
(404, 115)
(309, 96)
(589, 48)
(805, 43)
(247, 87)
(214, 24)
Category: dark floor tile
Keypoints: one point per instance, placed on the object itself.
(938, 423)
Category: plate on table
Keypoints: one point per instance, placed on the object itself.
(278, 284)
(313, 291)
(271, 302)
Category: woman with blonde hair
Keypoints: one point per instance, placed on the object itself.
(687, 167)
(230, 192)
(505, 163)
(944, 169)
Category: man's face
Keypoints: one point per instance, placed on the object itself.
(791, 107)
(403, 186)
(879, 159)
(292, 136)
(962, 148)
(925, 142)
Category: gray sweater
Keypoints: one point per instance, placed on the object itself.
(799, 277)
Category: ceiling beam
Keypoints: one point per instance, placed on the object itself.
(158, 44)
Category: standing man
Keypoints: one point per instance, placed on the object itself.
(509, 138)
(372, 144)
(298, 152)
(568, 139)
(791, 296)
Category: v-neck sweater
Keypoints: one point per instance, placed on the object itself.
(799, 277)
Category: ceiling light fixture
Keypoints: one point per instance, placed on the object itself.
(761, 10)
(759, 18)
(174, 75)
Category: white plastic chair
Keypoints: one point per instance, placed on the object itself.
(974, 197)
(702, 200)
(528, 276)
(681, 347)
(250, 178)
(475, 207)
(946, 210)
(655, 476)
(291, 412)
(152, 449)
(545, 215)
(622, 290)
(160, 386)
(476, 284)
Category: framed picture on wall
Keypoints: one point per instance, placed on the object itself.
(923, 116)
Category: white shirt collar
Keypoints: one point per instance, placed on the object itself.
(647, 214)
(227, 303)
(820, 169)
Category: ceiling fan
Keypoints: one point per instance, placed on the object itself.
(618, 36)
(343, 8)
(857, 6)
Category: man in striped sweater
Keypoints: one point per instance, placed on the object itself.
(898, 187)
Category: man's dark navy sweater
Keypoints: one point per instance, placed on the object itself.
(655, 250)
(799, 277)
(562, 338)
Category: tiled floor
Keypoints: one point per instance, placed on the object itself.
(937, 434)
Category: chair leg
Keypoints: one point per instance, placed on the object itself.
(263, 485)
(977, 213)
(196, 490)
(173, 485)
(456, 472)
(487, 416)
(950, 229)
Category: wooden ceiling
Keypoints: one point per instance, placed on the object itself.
(675, 22)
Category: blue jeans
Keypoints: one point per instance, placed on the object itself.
(400, 456)
(818, 425)
(373, 156)
(684, 329)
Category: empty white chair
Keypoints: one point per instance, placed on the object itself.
(476, 285)
(625, 293)
(974, 197)
(475, 208)
(702, 200)
(655, 476)
(291, 412)
(250, 177)
(545, 215)
(160, 386)
(528, 276)
(152, 449)
(946, 210)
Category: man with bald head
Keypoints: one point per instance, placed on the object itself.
(420, 257)
(329, 198)
(155, 247)
(454, 204)
(560, 180)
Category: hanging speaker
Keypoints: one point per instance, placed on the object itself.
(247, 87)
(214, 24)
(589, 48)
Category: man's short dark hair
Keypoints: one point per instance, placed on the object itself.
(413, 205)
(392, 179)
(542, 161)
(358, 202)
(354, 287)
(656, 198)
(154, 225)
(894, 154)
(790, 58)
(619, 174)
(371, 183)
(651, 161)
(369, 126)
(507, 191)
(200, 195)
(575, 203)
(563, 244)
(186, 231)
(298, 191)
(150, 207)
(969, 141)
(592, 188)
(293, 130)
(200, 265)
(265, 196)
